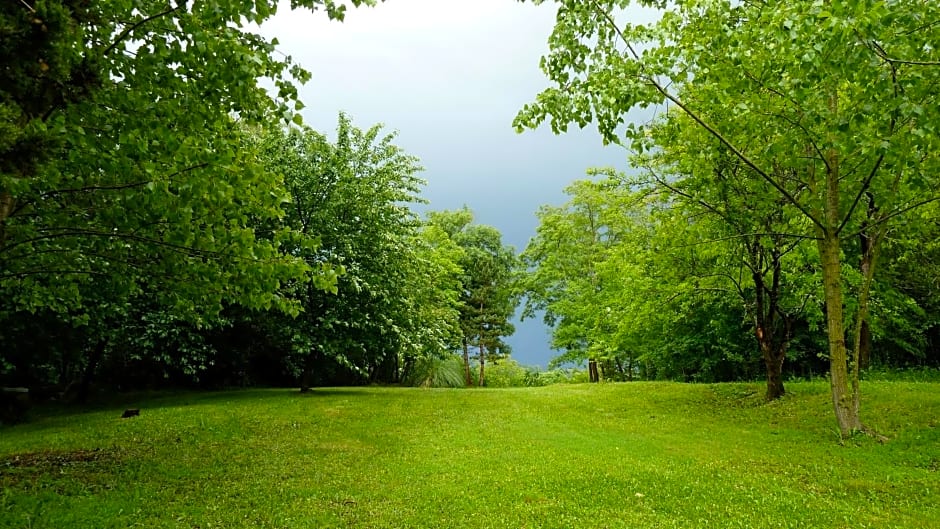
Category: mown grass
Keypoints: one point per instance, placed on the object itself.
(612, 455)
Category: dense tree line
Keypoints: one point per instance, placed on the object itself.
(649, 287)
(168, 220)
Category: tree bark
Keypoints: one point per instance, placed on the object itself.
(482, 364)
(845, 400)
(773, 355)
(843, 381)
(868, 245)
(771, 324)
(466, 362)
(592, 371)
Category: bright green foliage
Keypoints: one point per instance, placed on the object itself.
(641, 455)
(566, 261)
(752, 243)
(436, 291)
(395, 295)
(487, 296)
(625, 279)
(122, 157)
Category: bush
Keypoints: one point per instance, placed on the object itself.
(561, 375)
(912, 374)
(506, 373)
(434, 372)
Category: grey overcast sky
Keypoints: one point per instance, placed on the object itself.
(449, 76)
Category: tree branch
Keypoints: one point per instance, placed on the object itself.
(711, 130)
(861, 191)
(20, 275)
(896, 213)
(128, 30)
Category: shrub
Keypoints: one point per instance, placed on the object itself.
(434, 372)
(506, 373)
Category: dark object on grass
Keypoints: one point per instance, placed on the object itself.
(14, 402)
(128, 413)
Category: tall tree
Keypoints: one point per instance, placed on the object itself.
(487, 298)
(124, 164)
(839, 95)
(563, 279)
(350, 199)
(696, 173)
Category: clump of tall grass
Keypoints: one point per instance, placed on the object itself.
(435, 372)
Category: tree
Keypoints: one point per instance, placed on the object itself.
(635, 282)
(751, 222)
(571, 242)
(350, 201)
(487, 300)
(123, 153)
(839, 96)
(124, 160)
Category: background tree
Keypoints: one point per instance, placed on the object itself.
(638, 284)
(563, 280)
(764, 242)
(487, 300)
(350, 201)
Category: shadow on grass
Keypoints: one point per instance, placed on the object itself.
(152, 400)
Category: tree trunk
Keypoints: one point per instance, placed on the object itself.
(84, 386)
(773, 355)
(771, 324)
(844, 391)
(482, 364)
(7, 203)
(862, 341)
(869, 238)
(864, 346)
(592, 371)
(306, 375)
(466, 362)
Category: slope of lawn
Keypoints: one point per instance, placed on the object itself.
(612, 455)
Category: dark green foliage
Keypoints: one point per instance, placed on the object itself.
(487, 291)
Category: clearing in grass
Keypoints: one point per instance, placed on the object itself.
(611, 455)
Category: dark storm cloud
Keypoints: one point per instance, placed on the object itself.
(449, 75)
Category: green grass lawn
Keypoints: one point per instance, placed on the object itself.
(611, 455)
